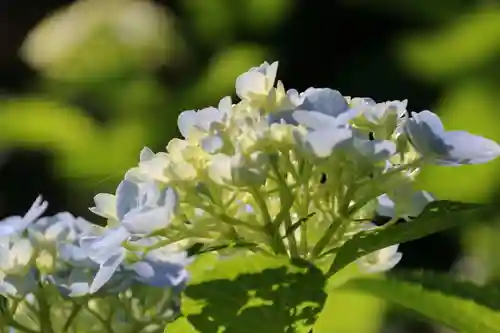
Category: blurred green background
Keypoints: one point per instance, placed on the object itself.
(86, 84)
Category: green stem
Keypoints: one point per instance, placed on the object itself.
(303, 207)
(292, 242)
(286, 199)
(224, 218)
(74, 312)
(326, 238)
(107, 326)
(44, 312)
(275, 240)
(9, 321)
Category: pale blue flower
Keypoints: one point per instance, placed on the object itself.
(381, 260)
(136, 174)
(373, 151)
(161, 267)
(17, 274)
(324, 135)
(212, 144)
(18, 285)
(257, 81)
(60, 228)
(74, 282)
(317, 105)
(77, 282)
(202, 120)
(164, 267)
(324, 100)
(16, 255)
(74, 255)
(143, 209)
(428, 136)
(403, 203)
(16, 224)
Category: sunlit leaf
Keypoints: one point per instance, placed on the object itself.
(251, 293)
(459, 305)
(437, 216)
(344, 307)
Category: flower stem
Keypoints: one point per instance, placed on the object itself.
(326, 238)
(292, 242)
(107, 326)
(74, 312)
(275, 240)
(44, 312)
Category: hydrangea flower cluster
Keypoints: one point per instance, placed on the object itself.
(292, 173)
(280, 172)
(83, 264)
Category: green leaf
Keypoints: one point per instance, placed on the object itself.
(459, 305)
(251, 293)
(348, 306)
(437, 216)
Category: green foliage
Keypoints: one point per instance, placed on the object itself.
(459, 305)
(81, 145)
(437, 216)
(430, 56)
(253, 293)
(343, 310)
(344, 307)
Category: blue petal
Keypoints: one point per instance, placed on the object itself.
(467, 148)
(186, 121)
(206, 117)
(8, 226)
(425, 131)
(126, 198)
(146, 220)
(106, 271)
(153, 216)
(16, 224)
(149, 195)
(314, 120)
(146, 154)
(324, 100)
(386, 207)
(427, 134)
(19, 285)
(100, 248)
(212, 144)
(75, 255)
(163, 273)
(76, 284)
(323, 142)
(375, 150)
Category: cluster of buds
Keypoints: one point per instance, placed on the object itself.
(280, 172)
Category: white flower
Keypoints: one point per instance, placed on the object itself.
(381, 260)
(15, 255)
(16, 224)
(257, 82)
